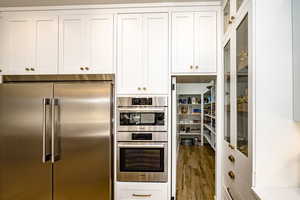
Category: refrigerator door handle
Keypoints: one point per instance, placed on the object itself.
(46, 154)
(55, 139)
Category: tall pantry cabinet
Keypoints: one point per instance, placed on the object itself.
(143, 53)
(237, 148)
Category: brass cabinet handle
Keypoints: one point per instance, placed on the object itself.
(32, 69)
(142, 195)
(231, 146)
(191, 66)
(231, 175)
(27, 69)
(231, 158)
(230, 22)
(81, 68)
(0, 70)
(139, 88)
(87, 68)
(144, 88)
(197, 67)
(232, 18)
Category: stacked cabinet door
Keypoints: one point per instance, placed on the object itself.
(142, 54)
(86, 44)
(30, 45)
(194, 42)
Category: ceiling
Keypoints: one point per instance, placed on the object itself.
(14, 3)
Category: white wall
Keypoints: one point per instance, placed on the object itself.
(277, 148)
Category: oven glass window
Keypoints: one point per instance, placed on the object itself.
(142, 159)
(139, 119)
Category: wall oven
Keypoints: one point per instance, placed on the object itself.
(142, 157)
(142, 114)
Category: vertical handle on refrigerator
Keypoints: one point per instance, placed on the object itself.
(46, 153)
(55, 139)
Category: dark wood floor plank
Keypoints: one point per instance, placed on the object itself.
(196, 173)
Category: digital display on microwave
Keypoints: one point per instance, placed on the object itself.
(137, 119)
(141, 101)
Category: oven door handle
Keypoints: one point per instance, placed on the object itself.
(141, 146)
(142, 109)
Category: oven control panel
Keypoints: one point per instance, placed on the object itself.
(141, 136)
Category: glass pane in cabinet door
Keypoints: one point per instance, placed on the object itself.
(239, 4)
(226, 15)
(242, 86)
(227, 91)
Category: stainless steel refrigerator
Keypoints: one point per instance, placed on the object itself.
(55, 141)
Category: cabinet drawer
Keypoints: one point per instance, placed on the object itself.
(142, 191)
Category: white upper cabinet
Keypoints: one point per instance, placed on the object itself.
(30, 45)
(72, 45)
(100, 43)
(142, 54)
(194, 42)
(156, 53)
(182, 42)
(86, 44)
(1, 47)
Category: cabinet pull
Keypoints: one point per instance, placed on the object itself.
(231, 175)
(0, 70)
(231, 158)
(231, 146)
(230, 22)
(81, 68)
(139, 88)
(142, 195)
(191, 66)
(144, 88)
(197, 67)
(27, 69)
(87, 68)
(232, 18)
(228, 190)
(32, 69)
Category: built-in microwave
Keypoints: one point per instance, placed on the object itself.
(142, 114)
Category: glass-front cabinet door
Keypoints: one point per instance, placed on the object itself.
(227, 95)
(242, 85)
(239, 4)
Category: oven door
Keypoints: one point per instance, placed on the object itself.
(142, 162)
(142, 119)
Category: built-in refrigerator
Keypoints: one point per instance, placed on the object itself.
(55, 141)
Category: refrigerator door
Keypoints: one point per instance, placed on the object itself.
(82, 141)
(23, 174)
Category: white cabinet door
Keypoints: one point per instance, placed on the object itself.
(182, 42)
(73, 54)
(205, 52)
(46, 45)
(100, 43)
(18, 46)
(130, 72)
(2, 66)
(155, 55)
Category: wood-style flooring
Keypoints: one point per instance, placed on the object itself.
(196, 173)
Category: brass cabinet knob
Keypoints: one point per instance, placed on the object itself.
(197, 67)
(27, 69)
(230, 22)
(139, 88)
(191, 66)
(232, 18)
(144, 88)
(86, 68)
(231, 175)
(31, 69)
(81, 68)
(231, 158)
(0, 70)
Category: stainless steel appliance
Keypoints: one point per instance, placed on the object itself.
(55, 141)
(142, 156)
(142, 114)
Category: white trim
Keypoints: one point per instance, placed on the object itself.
(110, 6)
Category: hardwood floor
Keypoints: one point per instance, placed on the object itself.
(196, 173)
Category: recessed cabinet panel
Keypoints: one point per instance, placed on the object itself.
(100, 34)
(19, 46)
(182, 42)
(72, 45)
(205, 58)
(46, 43)
(227, 97)
(130, 74)
(156, 53)
(242, 79)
